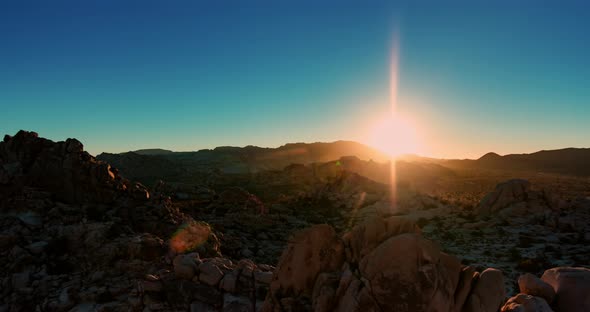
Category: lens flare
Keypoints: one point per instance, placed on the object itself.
(189, 236)
(393, 83)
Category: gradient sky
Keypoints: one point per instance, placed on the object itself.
(123, 75)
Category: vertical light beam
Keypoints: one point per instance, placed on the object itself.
(393, 83)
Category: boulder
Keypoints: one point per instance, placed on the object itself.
(387, 266)
(534, 286)
(185, 267)
(310, 252)
(466, 278)
(526, 303)
(572, 288)
(488, 293)
(366, 236)
(505, 194)
(210, 274)
(229, 281)
(409, 273)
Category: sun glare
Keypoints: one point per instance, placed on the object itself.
(395, 136)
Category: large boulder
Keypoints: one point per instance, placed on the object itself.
(311, 251)
(387, 266)
(409, 273)
(364, 237)
(526, 303)
(64, 169)
(534, 286)
(488, 293)
(572, 288)
(505, 194)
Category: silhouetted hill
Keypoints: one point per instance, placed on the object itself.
(570, 161)
(247, 159)
(145, 168)
(152, 151)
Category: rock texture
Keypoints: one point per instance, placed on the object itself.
(532, 285)
(567, 289)
(380, 265)
(505, 194)
(572, 288)
(526, 303)
(76, 236)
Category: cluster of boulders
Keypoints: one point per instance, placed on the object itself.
(210, 284)
(516, 203)
(561, 289)
(62, 168)
(73, 233)
(380, 265)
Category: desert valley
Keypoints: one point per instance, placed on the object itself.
(304, 227)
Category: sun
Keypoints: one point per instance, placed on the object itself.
(395, 136)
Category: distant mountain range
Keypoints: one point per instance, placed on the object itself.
(570, 161)
(230, 159)
(149, 165)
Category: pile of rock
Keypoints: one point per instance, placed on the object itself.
(211, 284)
(73, 232)
(236, 199)
(63, 168)
(516, 203)
(561, 289)
(380, 265)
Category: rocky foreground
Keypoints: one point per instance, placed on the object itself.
(76, 236)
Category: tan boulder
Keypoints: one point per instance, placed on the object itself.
(310, 252)
(505, 194)
(526, 303)
(366, 236)
(410, 273)
(572, 288)
(488, 293)
(534, 286)
(468, 274)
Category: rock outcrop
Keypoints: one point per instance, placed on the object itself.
(515, 203)
(572, 288)
(560, 289)
(76, 235)
(63, 168)
(505, 194)
(380, 265)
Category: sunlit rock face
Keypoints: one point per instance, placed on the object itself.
(572, 288)
(385, 265)
(560, 289)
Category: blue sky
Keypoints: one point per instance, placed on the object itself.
(186, 75)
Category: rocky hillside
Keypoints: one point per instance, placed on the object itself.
(251, 159)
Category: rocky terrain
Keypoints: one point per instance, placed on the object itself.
(77, 236)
